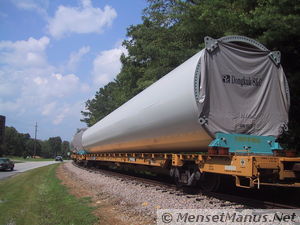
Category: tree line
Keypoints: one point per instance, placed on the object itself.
(173, 30)
(20, 144)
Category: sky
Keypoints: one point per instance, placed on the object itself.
(55, 55)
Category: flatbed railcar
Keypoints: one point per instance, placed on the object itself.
(217, 115)
(248, 170)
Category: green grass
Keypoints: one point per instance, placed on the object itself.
(21, 159)
(38, 198)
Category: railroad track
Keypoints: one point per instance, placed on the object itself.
(197, 194)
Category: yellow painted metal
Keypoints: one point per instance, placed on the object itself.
(294, 185)
(250, 167)
(229, 165)
(266, 162)
(157, 160)
(286, 173)
(238, 182)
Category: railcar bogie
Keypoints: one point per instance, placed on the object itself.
(248, 171)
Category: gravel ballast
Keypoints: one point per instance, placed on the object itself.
(140, 199)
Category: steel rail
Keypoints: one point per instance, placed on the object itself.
(166, 186)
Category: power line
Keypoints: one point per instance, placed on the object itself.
(35, 133)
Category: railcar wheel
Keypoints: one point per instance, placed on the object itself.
(177, 182)
(210, 181)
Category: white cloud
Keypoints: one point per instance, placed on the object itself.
(7, 88)
(20, 54)
(69, 112)
(55, 85)
(40, 81)
(107, 65)
(85, 87)
(75, 57)
(20, 61)
(30, 86)
(33, 89)
(59, 118)
(39, 6)
(83, 19)
(49, 108)
(8, 106)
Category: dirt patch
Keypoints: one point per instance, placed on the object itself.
(110, 209)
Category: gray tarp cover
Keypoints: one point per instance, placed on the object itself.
(242, 91)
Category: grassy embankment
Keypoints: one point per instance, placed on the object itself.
(38, 197)
(17, 159)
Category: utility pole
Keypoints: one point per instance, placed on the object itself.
(35, 132)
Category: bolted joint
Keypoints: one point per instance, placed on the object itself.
(210, 44)
(276, 57)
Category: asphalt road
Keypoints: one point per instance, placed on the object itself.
(22, 167)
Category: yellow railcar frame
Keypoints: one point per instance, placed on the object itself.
(248, 170)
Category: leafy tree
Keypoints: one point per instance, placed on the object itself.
(29, 148)
(55, 145)
(14, 142)
(18, 144)
(46, 150)
(65, 148)
(10, 140)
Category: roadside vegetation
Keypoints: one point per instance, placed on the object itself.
(21, 145)
(17, 159)
(38, 197)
